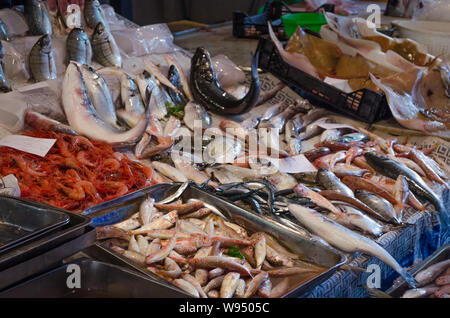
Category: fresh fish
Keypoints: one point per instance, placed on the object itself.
(329, 161)
(83, 118)
(195, 115)
(174, 78)
(154, 70)
(282, 181)
(146, 211)
(41, 60)
(169, 171)
(240, 289)
(37, 17)
(163, 222)
(215, 282)
(106, 51)
(78, 47)
(133, 245)
(186, 286)
(254, 284)
(342, 170)
(330, 135)
(267, 95)
(420, 292)
(190, 279)
(345, 239)
(329, 181)
(429, 274)
(39, 121)
(313, 129)
(4, 36)
(4, 83)
(378, 204)
(214, 262)
(424, 162)
(260, 249)
(191, 172)
(401, 194)
(392, 169)
(229, 284)
(171, 268)
(355, 219)
(265, 288)
(172, 126)
(291, 134)
(100, 95)
(131, 98)
(353, 137)
(93, 14)
(222, 150)
(281, 288)
(147, 84)
(208, 92)
(183, 79)
(278, 121)
(316, 153)
(364, 184)
(232, 128)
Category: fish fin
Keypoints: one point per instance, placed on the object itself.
(410, 280)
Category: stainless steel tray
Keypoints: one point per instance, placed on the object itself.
(314, 251)
(439, 255)
(21, 220)
(98, 280)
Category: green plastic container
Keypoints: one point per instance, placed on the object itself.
(312, 21)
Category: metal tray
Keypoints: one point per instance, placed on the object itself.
(98, 280)
(21, 220)
(314, 252)
(37, 256)
(441, 254)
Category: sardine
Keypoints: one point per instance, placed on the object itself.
(208, 92)
(78, 47)
(4, 35)
(93, 14)
(329, 181)
(106, 51)
(100, 95)
(345, 239)
(83, 118)
(131, 98)
(195, 114)
(37, 17)
(174, 78)
(378, 204)
(41, 60)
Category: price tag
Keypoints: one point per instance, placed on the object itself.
(36, 146)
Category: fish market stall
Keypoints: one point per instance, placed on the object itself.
(309, 165)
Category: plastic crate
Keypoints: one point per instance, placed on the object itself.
(364, 104)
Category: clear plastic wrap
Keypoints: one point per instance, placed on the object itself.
(14, 21)
(15, 64)
(228, 74)
(432, 10)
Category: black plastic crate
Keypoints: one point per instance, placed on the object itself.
(364, 104)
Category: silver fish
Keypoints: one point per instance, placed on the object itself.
(279, 120)
(78, 47)
(131, 98)
(353, 218)
(4, 83)
(195, 114)
(41, 60)
(169, 171)
(345, 239)
(4, 36)
(99, 95)
(37, 17)
(105, 49)
(93, 14)
(222, 150)
(329, 181)
(292, 133)
(148, 83)
(83, 118)
(378, 204)
(329, 135)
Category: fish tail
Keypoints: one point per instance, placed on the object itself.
(410, 280)
(255, 63)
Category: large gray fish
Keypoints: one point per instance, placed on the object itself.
(99, 95)
(131, 98)
(4, 83)
(78, 47)
(392, 169)
(208, 92)
(4, 35)
(37, 17)
(84, 119)
(41, 60)
(345, 239)
(105, 49)
(329, 181)
(378, 204)
(93, 14)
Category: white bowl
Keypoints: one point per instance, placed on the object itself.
(435, 36)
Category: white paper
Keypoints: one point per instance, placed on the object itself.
(9, 186)
(36, 146)
(294, 164)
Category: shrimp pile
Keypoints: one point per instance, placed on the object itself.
(204, 255)
(76, 173)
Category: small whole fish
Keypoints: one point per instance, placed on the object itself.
(37, 17)
(229, 284)
(131, 98)
(183, 79)
(427, 275)
(329, 181)
(358, 220)
(345, 239)
(378, 204)
(169, 171)
(78, 46)
(4, 36)
(195, 114)
(353, 137)
(93, 14)
(100, 95)
(174, 78)
(291, 134)
(207, 90)
(106, 51)
(41, 60)
(279, 120)
(147, 83)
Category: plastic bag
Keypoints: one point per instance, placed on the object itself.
(15, 65)
(15, 22)
(228, 74)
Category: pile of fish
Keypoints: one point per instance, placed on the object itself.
(416, 84)
(434, 282)
(191, 246)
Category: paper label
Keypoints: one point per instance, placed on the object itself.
(36, 146)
